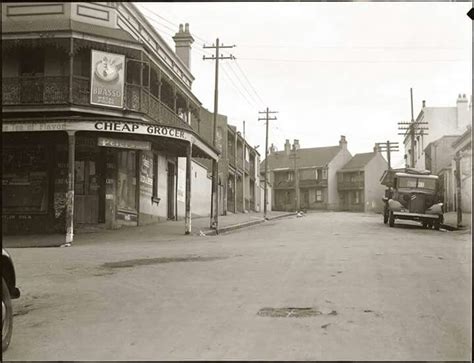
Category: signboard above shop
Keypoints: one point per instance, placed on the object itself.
(124, 144)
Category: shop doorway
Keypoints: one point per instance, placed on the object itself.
(86, 192)
(171, 190)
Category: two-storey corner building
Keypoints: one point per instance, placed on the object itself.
(305, 178)
(359, 182)
(96, 110)
(441, 121)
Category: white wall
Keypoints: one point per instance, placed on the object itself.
(342, 157)
(373, 190)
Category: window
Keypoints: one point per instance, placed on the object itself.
(319, 174)
(325, 173)
(32, 61)
(319, 195)
(290, 176)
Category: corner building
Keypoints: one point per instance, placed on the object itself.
(96, 110)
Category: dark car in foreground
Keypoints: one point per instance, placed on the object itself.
(9, 292)
(412, 195)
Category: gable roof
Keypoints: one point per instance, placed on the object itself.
(310, 157)
(358, 161)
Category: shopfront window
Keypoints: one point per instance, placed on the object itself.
(126, 181)
(25, 179)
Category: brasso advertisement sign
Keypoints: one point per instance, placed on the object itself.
(107, 79)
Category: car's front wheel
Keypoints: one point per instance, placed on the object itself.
(391, 219)
(7, 317)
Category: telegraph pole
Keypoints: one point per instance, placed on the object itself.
(215, 170)
(243, 166)
(267, 118)
(413, 129)
(457, 159)
(294, 157)
(389, 147)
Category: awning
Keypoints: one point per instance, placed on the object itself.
(200, 148)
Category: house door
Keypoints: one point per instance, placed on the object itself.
(171, 190)
(305, 199)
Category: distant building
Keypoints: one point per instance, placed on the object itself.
(306, 178)
(359, 182)
(463, 148)
(238, 167)
(441, 121)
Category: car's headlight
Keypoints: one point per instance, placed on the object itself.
(435, 209)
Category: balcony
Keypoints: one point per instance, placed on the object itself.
(54, 90)
(308, 183)
(350, 185)
(284, 184)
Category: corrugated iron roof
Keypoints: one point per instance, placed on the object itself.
(309, 157)
(358, 161)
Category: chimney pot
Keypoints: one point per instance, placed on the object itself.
(180, 28)
(186, 28)
(423, 103)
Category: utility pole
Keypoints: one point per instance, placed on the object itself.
(389, 147)
(413, 129)
(295, 176)
(457, 158)
(267, 118)
(214, 222)
(243, 166)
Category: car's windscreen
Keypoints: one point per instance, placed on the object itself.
(417, 183)
(407, 182)
(427, 183)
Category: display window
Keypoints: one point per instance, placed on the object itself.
(126, 181)
(25, 179)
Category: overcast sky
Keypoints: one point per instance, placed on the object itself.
(330, 69)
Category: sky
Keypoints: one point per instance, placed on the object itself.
(329, 69)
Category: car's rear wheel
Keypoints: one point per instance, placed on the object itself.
(391, 219)
(7, 317)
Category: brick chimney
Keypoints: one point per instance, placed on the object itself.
(376, 148)
(183, 41)
(343, 142)
(287, 147)
(296, 144)
(423, 104)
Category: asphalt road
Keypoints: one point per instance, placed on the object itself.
(370, 292)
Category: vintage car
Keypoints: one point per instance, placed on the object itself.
(9, 291)
(412, 195)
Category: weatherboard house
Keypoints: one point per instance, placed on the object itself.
(97, 116)
(306, 178)
(358, 182)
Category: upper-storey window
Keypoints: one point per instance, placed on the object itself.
(32, 62)
(82, 63)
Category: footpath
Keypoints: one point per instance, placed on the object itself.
(450, 221)
(164, 231)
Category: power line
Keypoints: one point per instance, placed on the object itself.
(352, 61)
(251, 86)
(421, 47)
(237, 88)
(241, 83)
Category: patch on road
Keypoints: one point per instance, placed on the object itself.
(292, 312)
(158, 260)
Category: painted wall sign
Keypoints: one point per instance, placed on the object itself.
(107, 79)
(130, 127)
(124, 144)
